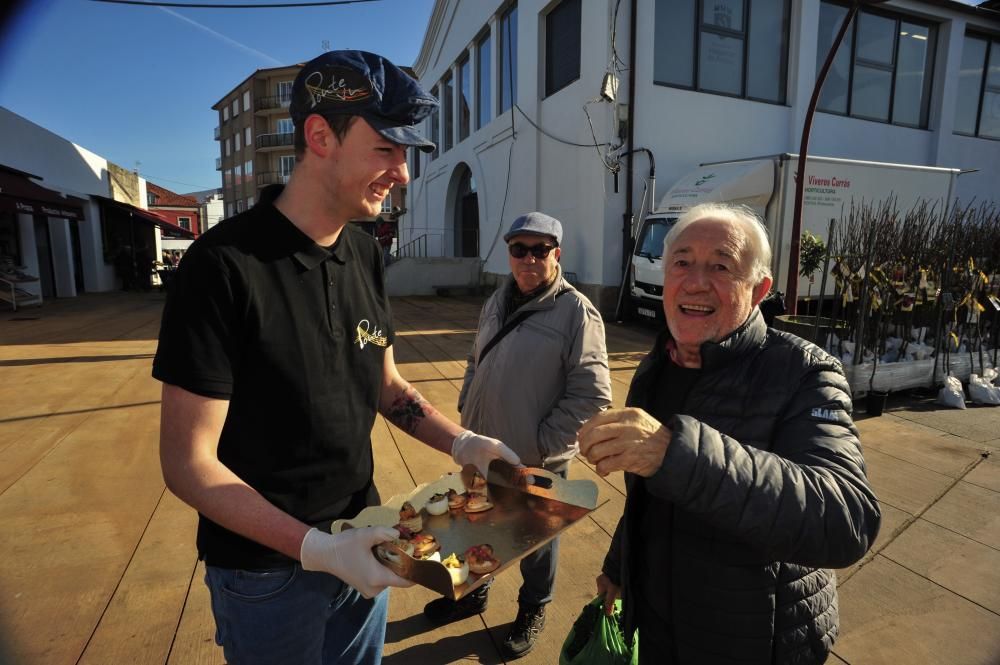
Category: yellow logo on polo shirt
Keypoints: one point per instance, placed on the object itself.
(368, 334)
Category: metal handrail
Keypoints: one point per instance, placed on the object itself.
(416, 248)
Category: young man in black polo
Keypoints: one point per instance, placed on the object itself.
(276, 353)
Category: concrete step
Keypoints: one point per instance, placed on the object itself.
(423, 276)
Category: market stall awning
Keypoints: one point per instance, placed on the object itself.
(167, 227)
(18, 193)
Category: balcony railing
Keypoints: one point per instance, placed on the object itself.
(218, 163)
(217, 133)
(274, 140)
(272, 178)
(272, 102)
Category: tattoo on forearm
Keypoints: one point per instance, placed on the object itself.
(408, 410)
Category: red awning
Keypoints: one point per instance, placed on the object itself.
(148, 217)
(19, 193)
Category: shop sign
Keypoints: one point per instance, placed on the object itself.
(57, 212)
(32, 208)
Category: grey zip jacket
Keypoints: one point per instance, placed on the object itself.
(546, 377)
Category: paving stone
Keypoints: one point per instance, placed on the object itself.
(966, 567)
(894, 521)
(970, 510)
(919, 445)
(893, 616)
(902, 484)
(976, 423)
(987, 473)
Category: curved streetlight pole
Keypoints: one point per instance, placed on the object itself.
(792, 282)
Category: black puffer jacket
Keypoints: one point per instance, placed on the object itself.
(768, 487)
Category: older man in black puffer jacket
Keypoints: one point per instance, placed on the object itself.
(743, 467)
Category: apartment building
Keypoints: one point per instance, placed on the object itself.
(563, 106)
(255, 135)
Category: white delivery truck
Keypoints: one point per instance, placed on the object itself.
(767, 186)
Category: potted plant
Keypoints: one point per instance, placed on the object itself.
(881, 304)
(812, 251)
(812, 254)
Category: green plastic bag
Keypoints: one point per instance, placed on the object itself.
(596, 639)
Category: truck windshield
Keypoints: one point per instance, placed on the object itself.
(650, 241)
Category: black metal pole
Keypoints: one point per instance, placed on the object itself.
(629, 160)
(630, 134)
(822, 289)
(792, 283)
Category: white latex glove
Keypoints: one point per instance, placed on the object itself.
(471, 448)
(348, 555)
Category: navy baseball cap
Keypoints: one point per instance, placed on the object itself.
(537, 224)
(364, 84)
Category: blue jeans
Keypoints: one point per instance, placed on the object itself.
(289, 616)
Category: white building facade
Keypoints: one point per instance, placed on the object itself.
(73, 255)
(212, 211)
(528, 88)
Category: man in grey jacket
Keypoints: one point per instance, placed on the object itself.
(537, 371)
(742, 464)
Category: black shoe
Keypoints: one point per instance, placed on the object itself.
(526, 629)
(446, 610)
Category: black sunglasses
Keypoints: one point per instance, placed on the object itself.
(520, 250)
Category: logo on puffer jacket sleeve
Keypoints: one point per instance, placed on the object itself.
(368, 333)
(833, 415)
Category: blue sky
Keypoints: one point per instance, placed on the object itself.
(138, 83)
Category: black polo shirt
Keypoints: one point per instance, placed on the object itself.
(294, 336)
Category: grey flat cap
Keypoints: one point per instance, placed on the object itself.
(537, 224)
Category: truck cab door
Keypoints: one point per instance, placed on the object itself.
(646, 270)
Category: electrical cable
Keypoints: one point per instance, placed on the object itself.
(176, 182)
(612, 167)
(503, 206)
(615, 59)
(202, 5)
(556, 138)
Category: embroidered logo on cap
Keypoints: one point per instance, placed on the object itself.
(338, 85)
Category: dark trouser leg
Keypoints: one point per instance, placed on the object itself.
(538, 569)
(539, 572)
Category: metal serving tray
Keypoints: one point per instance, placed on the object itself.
(530, 508)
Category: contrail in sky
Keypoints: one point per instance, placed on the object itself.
(219, 35)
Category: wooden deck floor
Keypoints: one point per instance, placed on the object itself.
(100, 566)
(101, 562)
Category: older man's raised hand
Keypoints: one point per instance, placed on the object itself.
(624, 440)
